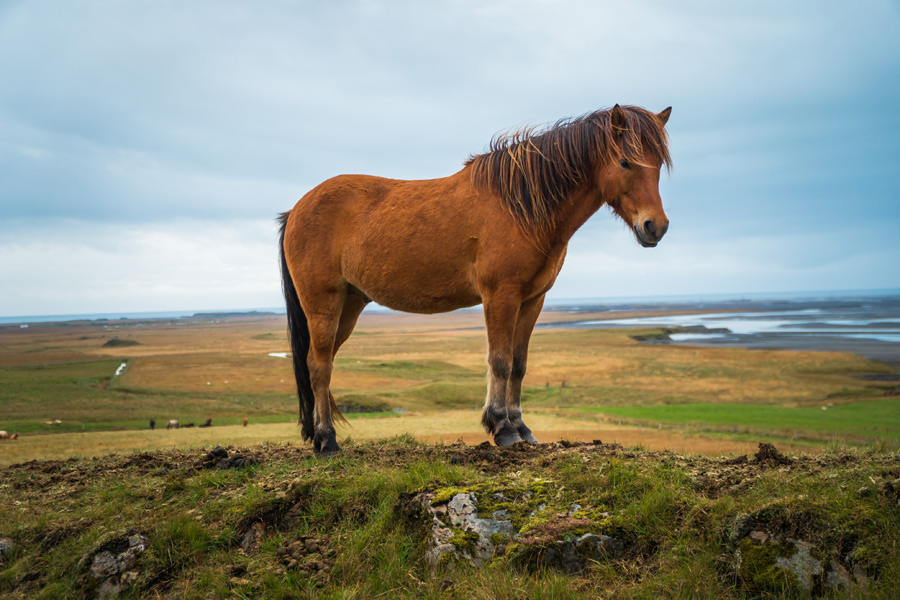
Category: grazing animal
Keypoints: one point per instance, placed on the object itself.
(4, 435)
(245, 421)
(207, 424)
(495, 233)
(172, 424)
(152, 424)
(188, 425)
(14, 436)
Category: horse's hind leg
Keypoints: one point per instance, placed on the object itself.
(323, 311)
(500, 315)
(528, 315)
(354, 304)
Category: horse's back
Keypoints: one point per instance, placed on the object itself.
(409, 245)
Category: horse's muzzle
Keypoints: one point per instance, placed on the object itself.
(649, 232)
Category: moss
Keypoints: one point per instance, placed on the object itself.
(444, 561)
(464, 541)
(498, 539)
(445, 495)
(759, 568)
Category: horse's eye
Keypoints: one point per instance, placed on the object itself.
(624, 164)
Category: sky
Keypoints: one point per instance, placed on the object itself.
(146, 147)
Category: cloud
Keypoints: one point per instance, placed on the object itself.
(75, 267)
(140, 116)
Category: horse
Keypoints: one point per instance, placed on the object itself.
(207, 424)
(172, 424)
(494, 233)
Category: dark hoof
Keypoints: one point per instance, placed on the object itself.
(325, 445)
(507, 436)
(530, 438)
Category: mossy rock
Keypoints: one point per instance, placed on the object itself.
(759, 570)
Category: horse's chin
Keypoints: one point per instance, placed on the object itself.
(645, 243)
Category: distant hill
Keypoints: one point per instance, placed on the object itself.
(226, 315)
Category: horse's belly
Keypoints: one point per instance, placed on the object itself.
(415, 288)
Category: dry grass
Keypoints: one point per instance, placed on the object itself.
(426, 364)
(445, 427)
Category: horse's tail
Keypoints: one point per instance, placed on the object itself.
(298, 333)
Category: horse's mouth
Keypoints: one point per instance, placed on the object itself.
(643, 239)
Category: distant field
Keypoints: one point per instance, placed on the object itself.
(192, 371)
(858, 421)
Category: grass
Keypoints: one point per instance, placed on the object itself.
(680, 519)
(203, 369)
(879, 418)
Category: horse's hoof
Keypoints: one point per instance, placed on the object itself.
(507, 436)
(530, 439)
(324, 444)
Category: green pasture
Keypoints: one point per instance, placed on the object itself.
(729, 391)
(878, 418)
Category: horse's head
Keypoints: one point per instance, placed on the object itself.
(629, 183)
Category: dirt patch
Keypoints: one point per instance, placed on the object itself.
(769, 455)
(649, 439)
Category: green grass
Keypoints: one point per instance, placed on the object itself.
(879, 418)
(677, 526)
(407, 369)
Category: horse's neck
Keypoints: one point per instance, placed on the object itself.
(575, 211)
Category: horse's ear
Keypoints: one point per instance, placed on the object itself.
(664, 115)
(617, 118)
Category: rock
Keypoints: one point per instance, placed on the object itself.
(837, 576)
(253, 536)
(802, 564)
(456, 532)
(7, 547)
(113, 560)
(768, 563)
(573, 555)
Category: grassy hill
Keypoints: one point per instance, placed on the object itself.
(271, 521)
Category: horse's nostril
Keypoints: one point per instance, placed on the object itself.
(650, 227)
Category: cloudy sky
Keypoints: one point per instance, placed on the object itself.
(147, 146)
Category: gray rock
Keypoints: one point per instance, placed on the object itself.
(574, 555)
(253, 536)
(457, 533)
(7, 547)
(113, 562)
(837, 577)
(808, 571)
(802, 564)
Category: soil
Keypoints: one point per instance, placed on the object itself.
(715, 475)
(648, 439)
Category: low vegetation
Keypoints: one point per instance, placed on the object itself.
(222, 369)
(272, 521)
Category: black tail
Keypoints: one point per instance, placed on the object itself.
(298, 332)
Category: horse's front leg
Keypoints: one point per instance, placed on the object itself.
(500, 315)
(528, 315)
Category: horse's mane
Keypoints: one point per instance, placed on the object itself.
(533, 171)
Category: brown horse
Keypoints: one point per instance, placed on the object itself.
(495, 233)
